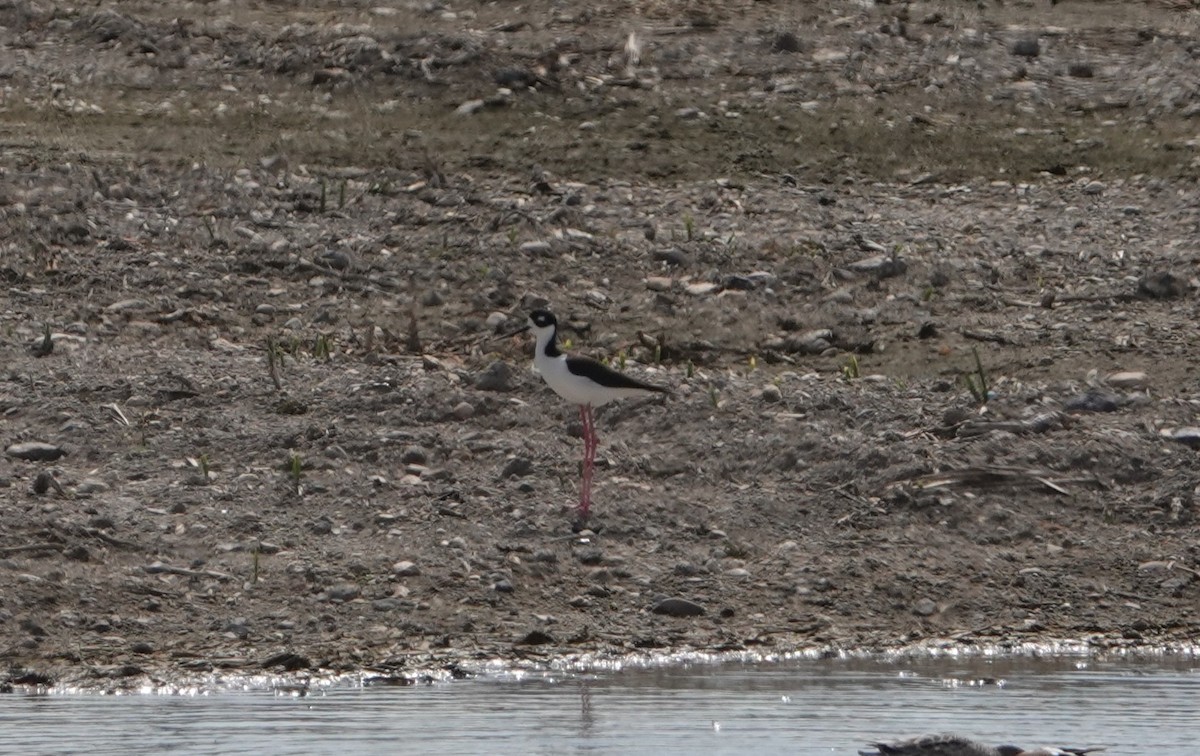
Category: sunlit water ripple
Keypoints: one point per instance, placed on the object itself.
(1132, 706)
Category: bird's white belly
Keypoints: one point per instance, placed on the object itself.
(576, 389)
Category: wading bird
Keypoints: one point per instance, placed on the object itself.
(582, 381)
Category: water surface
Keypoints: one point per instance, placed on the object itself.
(1132, 706)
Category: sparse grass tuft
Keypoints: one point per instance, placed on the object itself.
(977, 382)
(851, 370)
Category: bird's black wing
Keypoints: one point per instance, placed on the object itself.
(603, 375)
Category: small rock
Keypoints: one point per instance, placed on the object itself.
(44, 482)
(470, 107)
(89, 486)
(1093, 401)
(432, 298)
(701, 288)
(127, 305)
(739, 283)
(517, 467)
(542, 248)
(924, 607)
(1161, 284)
(414, 455)
(1094, 188)
(463, 411)
(343, 592)
(1080, 70)
(883, 266)
(738, 572)
(496, 320)
(658, 283)
(1127, 380)
(497, 377)
(405, 569)
(1188, 436)
(536, 638)
(1027, 48)
(786, 42)
(675, 257)
(503, 585)
(678, 607)
(771, 393)
(35, 451)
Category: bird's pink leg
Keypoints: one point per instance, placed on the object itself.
(589, 459)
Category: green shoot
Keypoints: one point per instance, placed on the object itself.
(274, 362)
(851, 369)
(689, 226)
(977, 382)
(691, 369)
(714, 398)
(323, 347)
(296, 470)
(205, 469)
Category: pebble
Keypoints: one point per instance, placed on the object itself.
(678, 607)
(517, 467)
(536, 638)
(343, 592)
(495, 320)
(1161, 284)
(89, 486)
(127, 305)
(771, 393)
(924, 607)
(414, 455)
(1189, 435)
(738, 572)
(35, 451)
(463, 411)
(1127, 380)
(405, 569)
(1027, 48)
(673, 257)
(1093, 401)
(497, 377)
(884, 266)
(658, 283)
(470, 107)
(542, 248)
(701, 288)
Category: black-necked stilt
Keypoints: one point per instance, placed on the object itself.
(581, 381)
(956, 745)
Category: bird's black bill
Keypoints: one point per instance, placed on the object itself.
(513, 332)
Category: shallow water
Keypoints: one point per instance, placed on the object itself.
(1140, 706)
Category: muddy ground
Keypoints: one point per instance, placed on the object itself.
(921, 276)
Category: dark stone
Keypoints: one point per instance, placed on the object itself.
(536, 638)
(1161, 284)
(786, 42)
(1027, 48)
(1093, 401)
(497, 377)
(35, 451)
(678, 607)
(517, 467)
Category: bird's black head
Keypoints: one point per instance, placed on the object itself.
(542, 319)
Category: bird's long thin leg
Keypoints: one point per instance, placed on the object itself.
(589, 460)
